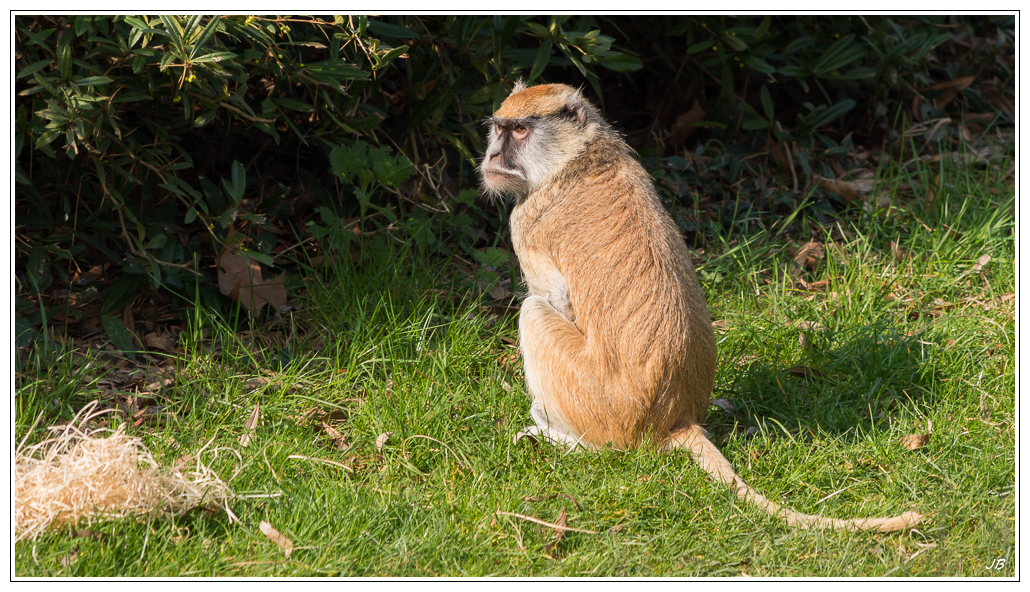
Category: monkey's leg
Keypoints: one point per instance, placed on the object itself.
(550, 344)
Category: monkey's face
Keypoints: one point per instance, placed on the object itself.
(503, 168)
(533, 135)
(523, 153)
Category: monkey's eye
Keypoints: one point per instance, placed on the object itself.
(519, 131)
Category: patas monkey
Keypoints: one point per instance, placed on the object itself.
(615, 335)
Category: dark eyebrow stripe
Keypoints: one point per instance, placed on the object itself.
(503, 121)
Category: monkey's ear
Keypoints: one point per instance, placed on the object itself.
(519, 86)
(577, 107)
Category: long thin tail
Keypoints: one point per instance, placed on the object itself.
(715, 464)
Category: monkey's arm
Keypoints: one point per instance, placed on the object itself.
(551, 346)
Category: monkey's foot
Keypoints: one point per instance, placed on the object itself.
(553, 436)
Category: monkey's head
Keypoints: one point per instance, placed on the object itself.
(533, 135)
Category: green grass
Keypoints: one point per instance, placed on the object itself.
(895, 343)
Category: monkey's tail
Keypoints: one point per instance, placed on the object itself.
(715, 464)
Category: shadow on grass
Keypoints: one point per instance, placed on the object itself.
(862, 377)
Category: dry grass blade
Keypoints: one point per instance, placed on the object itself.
(321, 460)
(75, 474)
(539, 521)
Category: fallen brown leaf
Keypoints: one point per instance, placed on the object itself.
(684, 124)
(951, 89)
(276, 537)
(381, 440)
(256, 382)
(155, 341)
(339, 441)
(558, 532)
(129, 322)
(499, 292)
(805, 372)
(808, 325)
(727, 406)
(980, 263)
(807, 257)
(239, 277)
(847, 190)
(251, 425)
(913, 441)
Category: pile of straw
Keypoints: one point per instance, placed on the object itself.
(75, 474)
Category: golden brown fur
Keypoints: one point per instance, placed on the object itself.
(616, 338)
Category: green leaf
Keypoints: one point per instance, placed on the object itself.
(466, 196)
(859, 73)
(257, 256)
(763, 27)
(64, 61)
(293, 104)
(829, 62)
(47, 138)
(192, 22)
(834, 112)
(188, 190)
(803, 42)
(94, 80)
(205, 118)
(540, 30)
(621, 63)
(38, 270)
(120, 337)
(767, 103)
(191, 215)
(572, 58)
(209, 30)
(173, 27)
(337, 70)
(390, 56)
(130, 97)
(392, 31)
(239, 181)
(734, 42)
(754, 124)
(24, 334)
(701, 46)
(82, 23)
(459, 145)
(32, 68)
(346, 160)
(758, 64)
(156, 243)
(216, 57)
(543, 55)
(795, 71)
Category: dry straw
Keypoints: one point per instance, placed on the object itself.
(77, 475)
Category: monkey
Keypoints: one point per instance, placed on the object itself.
(615, 334)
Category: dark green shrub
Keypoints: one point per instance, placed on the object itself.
(152, 143)
(144, 146)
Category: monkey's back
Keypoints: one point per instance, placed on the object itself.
(650, 355)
